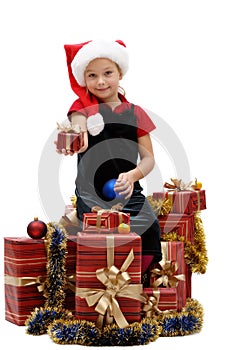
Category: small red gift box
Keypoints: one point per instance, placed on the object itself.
(103, 260)
(104, 221)
(25, 270)
(170, 272)
(184, 202)
(182, 224)
(70, 141)
(166, 298)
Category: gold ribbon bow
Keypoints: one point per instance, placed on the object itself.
(115, 209)
(26, 281)
(166, 271)
(179, 185)
(66, 126)
(150, 306)
(117, 283)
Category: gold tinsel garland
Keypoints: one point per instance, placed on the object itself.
(196, 252)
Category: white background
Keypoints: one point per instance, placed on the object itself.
(178, 69)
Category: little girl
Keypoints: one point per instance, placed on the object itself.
(117, 143)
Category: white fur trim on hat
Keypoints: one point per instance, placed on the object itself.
(98, 49)
(95, 124)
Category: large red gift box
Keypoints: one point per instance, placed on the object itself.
(107, 252)
(25, 270)
(104, 221)
(182, 224)
(167, 297)
(184, 202)
(70, 141)
(165, 271)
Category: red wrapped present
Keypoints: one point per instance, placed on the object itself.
(70, 141)
(25, 272)
(108, 278)
(159, 300)
(104, 220)
(70, 137)
(171, 270)
(182, 224)
(184, 202)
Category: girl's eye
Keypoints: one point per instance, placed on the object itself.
(109, 72)
(91, 75)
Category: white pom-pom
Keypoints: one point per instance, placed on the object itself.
(95, 124)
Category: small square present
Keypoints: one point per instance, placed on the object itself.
(184, 202)
(171, 270)
(160, 299)
(104, 221)
(70, 137)
(25, 272)
(182, 224)
(108, 278)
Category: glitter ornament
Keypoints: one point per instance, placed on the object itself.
(36, 229)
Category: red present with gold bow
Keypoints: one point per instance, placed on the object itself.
(170, 271)
(159, 300)
(108, 278)
(185, 201)
(104, 220)
(182, 224)
(69, 138)
(25, 275)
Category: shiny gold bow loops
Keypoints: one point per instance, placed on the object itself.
(166, 271)
(66, 126)
(117, 284)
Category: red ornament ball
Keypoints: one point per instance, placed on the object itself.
(36, 229)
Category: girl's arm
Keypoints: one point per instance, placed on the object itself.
(125, 182)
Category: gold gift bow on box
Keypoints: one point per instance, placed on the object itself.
(166, 271)
(68, 127)
(115, 209)
(26, 281)
(179, 186)
(150, 306)
(117, 283)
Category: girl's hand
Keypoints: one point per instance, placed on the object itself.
(124, 185)
(82, 149)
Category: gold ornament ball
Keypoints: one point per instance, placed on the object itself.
(123, 228)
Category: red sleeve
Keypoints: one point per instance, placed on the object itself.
(144, 122)
(77, 106)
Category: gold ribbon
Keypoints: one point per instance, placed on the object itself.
(117, 283)
(69, 219)
(26, 281)
(70, 283)
(68, 127)
(150, 307)
(167, 274)
(179, 185)
(115, 209)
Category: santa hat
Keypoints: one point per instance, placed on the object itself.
(78, 58)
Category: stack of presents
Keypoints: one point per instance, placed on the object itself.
(103, 266)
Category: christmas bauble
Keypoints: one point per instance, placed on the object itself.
(36, 229)
(108, 190)
(123, 228)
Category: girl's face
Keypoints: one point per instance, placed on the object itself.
(102, 79)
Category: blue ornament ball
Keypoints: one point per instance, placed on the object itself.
(108, 190)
